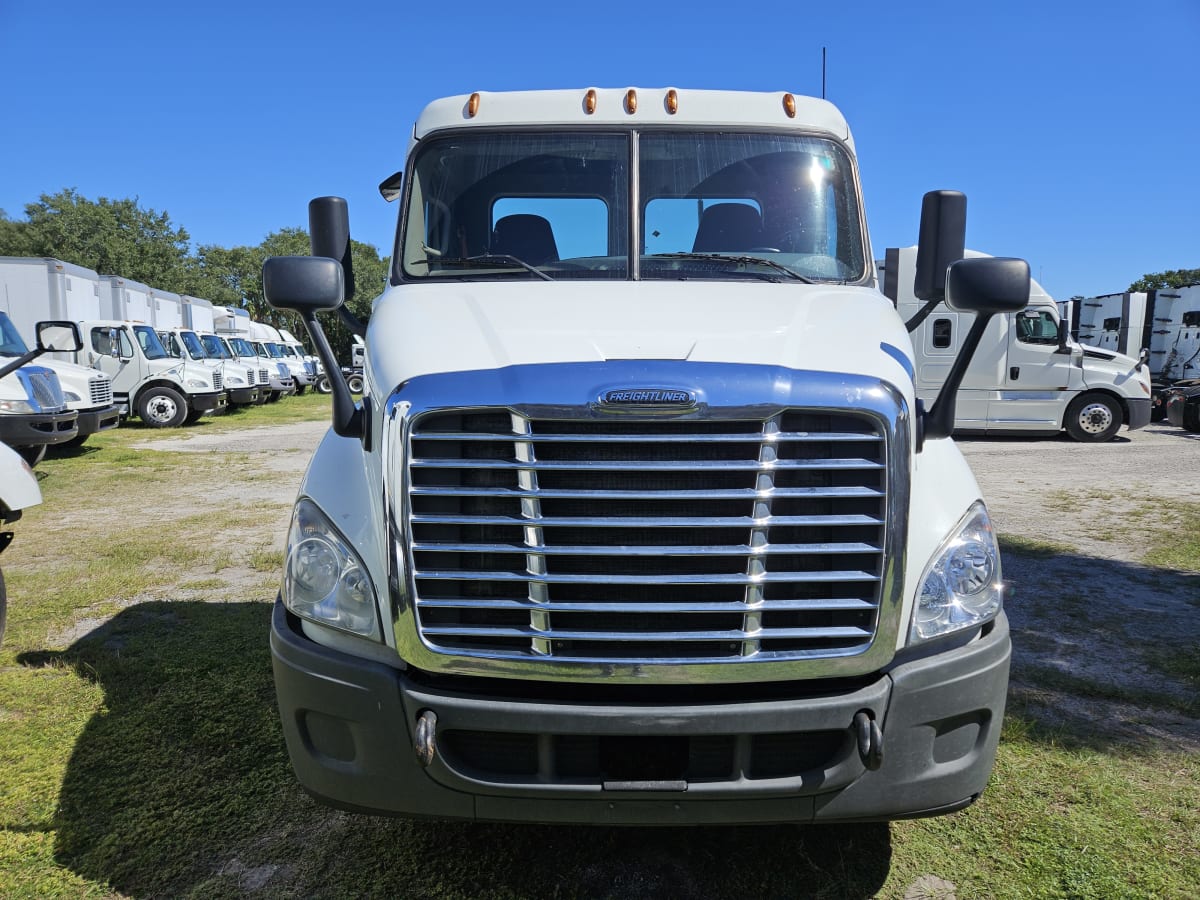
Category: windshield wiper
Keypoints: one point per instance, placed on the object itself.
(744, 260)
(486, 259)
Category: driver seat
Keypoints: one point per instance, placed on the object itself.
(728, 226)
(527, 237)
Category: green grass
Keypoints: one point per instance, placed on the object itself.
(143, 757)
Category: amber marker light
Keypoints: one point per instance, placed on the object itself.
(631, 101)
(789, 105)
(672, 101)
(473, 105)
(589, 101)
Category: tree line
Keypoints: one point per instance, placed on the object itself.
(120, 237)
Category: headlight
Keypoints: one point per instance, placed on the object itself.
(233, 379)
(17, 406)
(962, 587)
(197, 383)
(71, 397)
(323, 579)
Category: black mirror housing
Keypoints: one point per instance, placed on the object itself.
(60, 337)
(988, 285)
(304, 284)
(942, 240)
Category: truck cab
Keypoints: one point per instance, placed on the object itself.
(639, 519)
(161, 391)
(33, 408)
(1029, 376)
(236, 380)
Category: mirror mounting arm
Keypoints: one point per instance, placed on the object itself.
(348, 418)
(938, 422)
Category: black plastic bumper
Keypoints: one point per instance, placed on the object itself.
(243, 396)
(1139, 413)
(349, 725)
(205, 402)
(93, 421)
(36, 429)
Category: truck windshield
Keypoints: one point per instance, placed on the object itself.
(10, 342)
(241, 347)
(710, 205)
(213, 347)
(194, 347)
(147, 339)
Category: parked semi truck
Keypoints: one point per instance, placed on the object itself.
(1161, 325)
(1029, 376)
(40, 288)
(236, 380)
(234, 325)
(18, 491)
(268, 344)
(640, 519)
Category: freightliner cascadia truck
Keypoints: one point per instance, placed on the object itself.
(639, 519)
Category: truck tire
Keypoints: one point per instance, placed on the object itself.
(1093, 418)
(300, 389)
(162, 407)
(355, 383)
(1191, 415)
(323, 386)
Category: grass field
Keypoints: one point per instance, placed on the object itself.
(141, 753)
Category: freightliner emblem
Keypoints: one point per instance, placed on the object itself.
(652, 398)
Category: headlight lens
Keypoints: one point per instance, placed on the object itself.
(233, 379)
(962, 587)
(197, 383)
(71, 397)
(323, 579)
(17, 406)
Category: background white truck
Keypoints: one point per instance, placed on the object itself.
(40, 288)
(33, 410)
(234, 325)
(1162, 324)
(639, 520)
(1028, 376)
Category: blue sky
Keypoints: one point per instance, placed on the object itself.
(1072, 126)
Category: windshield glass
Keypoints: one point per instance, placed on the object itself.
(147, 339)
(711, 205)
(241, 347)
(194, 347)
(10, 342)
(213, 347)
(275, 350)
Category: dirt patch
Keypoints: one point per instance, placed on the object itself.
(1091, 622)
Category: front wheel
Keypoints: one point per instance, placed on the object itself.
(323, 385)
(355, 383)
(1093, 418)
(162, 407)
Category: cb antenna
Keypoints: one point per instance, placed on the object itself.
(822, 73)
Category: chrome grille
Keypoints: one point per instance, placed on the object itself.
(264, 377)
(43, 386)
(647, 540)
(216, 380)
(100, 390)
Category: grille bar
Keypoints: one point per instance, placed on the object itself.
(645, 521)
(737, 635)
(680, 465)
(516, 605)
(649, 549)
(581, 494)
(748, 437)
(548, 579)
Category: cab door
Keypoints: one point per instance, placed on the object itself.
(1038, 380)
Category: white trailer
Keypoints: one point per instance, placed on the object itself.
(1028, 376)
(126, 300)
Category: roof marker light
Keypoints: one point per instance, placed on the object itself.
(672, 101)
(789, 105)
(631, 101)
(473, 105)
(589, 101)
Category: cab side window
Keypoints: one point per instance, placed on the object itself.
(1039, 328)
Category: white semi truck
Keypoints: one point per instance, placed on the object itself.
(1028, 376)
(268, 344)
(33, 408)
(39, 288)
(1161, 325)
(640, 519)
(18, 491)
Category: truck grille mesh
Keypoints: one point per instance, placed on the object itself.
(100, 391)
(647, 540)
(217, 381)
(44, 387)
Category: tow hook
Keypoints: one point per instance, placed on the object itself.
(870, 740)
(425, 742)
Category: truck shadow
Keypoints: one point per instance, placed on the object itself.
(180, 785)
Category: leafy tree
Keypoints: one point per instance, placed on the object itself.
(114, 237)
(1175, 278)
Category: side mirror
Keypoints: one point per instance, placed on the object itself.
(986, 286)
(941, 241)
(62, 337)
(329, 235)
(307, 285)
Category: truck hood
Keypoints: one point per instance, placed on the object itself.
(424, 329)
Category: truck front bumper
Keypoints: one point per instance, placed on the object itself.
(36, 429)
(204, 402)
(93, 421)
(1139, 413)
(243, 396)
(789, 754)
